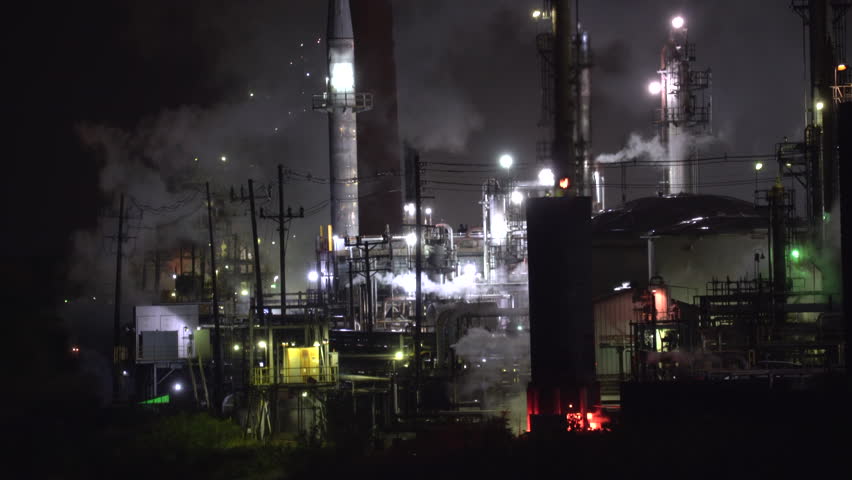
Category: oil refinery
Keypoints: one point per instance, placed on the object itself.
(555, 308)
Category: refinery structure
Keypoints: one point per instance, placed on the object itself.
(411, 321)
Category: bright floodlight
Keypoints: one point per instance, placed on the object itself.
(428, 210)
(546, 178)
(820, 105)
(313, 276)
(536, 14)
(410, 239)
(517, 197)
(177, 387)
(506, 161)
(469, 269)
(342, 77)
(409, 208)
(261, 344)
(758, 165)
(677, 22)
(397, 356)
(244, 292)
(655, 87)
(236, 347)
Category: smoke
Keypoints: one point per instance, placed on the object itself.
(497, 364)
(456, 287)
(637, 148)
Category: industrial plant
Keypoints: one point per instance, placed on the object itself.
(556, 309)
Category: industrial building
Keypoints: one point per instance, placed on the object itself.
(543, 309)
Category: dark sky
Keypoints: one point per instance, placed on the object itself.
(112, 96)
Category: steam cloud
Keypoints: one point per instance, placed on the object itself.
(636, 148)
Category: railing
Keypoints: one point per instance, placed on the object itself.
(357, 102)
(295, 376)
(842, 93)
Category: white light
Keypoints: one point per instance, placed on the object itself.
(536, 14)
(316, 344)
(313, 276)
(244, 292)
(261, 344)
(124, 372)
(520, 327)
(411, 239)
(820, 105)
(517, 197)
(469, 269)
(275, 278)
(174, 275)
(261, 364)
(655, 87)
(506, 161)
(397, 356)
(342, 77)
(224, 158)
(546, 178)
(409, 208)
(428, 210)
(177, 387)
(304, 394)
(678, 21)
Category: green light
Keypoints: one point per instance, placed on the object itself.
(273, 286)
(795, 253)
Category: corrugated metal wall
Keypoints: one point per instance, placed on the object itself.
(612, 329)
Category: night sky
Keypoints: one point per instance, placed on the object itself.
(112, 96)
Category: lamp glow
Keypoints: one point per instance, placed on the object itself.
(410, 239)
(506, 161)
(758, 166)
(313, 276)
(655, 87)
(678, 22)
(517, 197)
(546, 177)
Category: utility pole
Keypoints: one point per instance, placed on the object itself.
(418, 267)
(116, 325)
(283, 220)
(259, 285)
(367, 246)
(217, 342)
(282, 236)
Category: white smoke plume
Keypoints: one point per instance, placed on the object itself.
(457, 287)
(637, 148)
(499, 364)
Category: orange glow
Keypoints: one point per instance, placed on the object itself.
(841, 67)
(564, 183)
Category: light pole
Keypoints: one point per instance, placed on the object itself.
(757, 168)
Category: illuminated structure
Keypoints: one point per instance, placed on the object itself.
(685, 107)
(342, 104)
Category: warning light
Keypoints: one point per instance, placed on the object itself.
(564, 183)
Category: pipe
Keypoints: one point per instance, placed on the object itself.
(449, 230)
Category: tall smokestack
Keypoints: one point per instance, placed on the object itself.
(342, 103)
(564, 155)
(379, 148)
